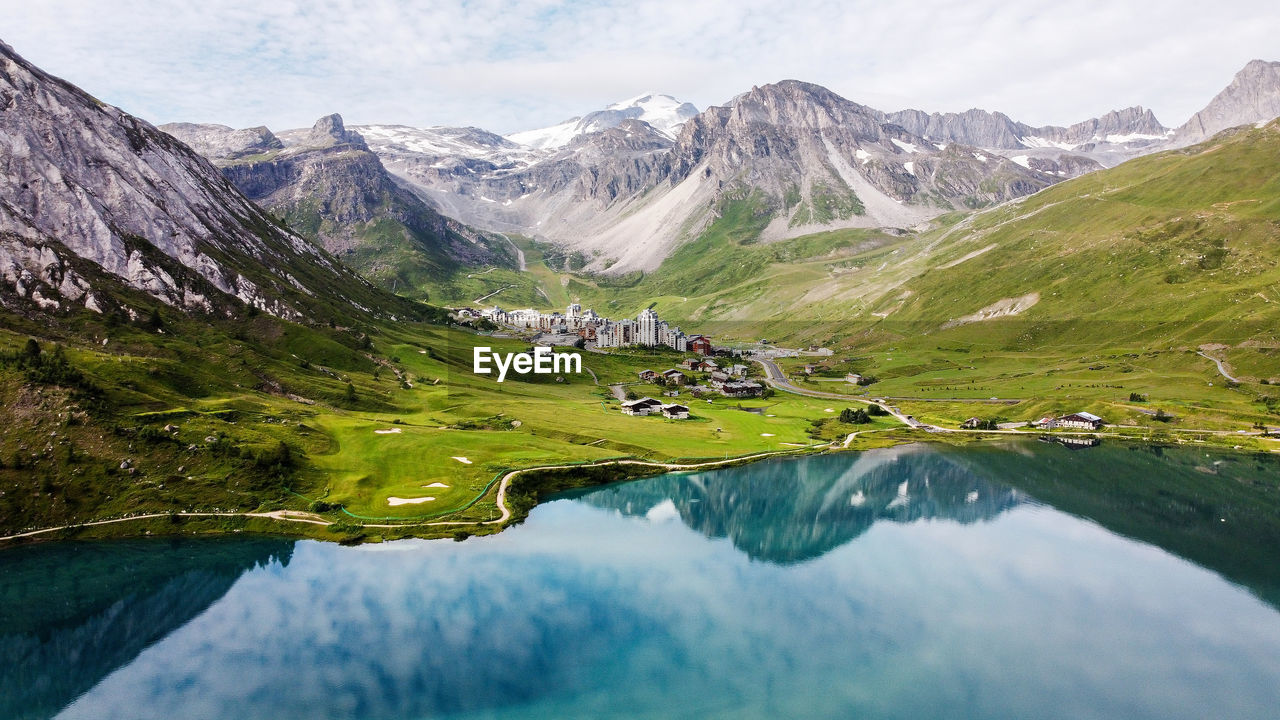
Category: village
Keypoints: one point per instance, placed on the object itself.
(696, 377)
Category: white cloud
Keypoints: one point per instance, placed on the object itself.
(514, 65)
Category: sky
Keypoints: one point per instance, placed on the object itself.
(509, 66)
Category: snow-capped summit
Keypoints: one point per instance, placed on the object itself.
(663, 112)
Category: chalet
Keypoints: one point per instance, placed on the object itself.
(700, 344)
(693, 364)
(738, 370)
(709, 365)
(675, 411)
(671, 393)
(648, 375)
(673, 376)
(643, 406)
(972, 423)
(853, 378)
(740, 389)
(810, 368)
(718, 379)
(1078, 421)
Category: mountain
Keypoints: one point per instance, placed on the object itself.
(93, 199)
(803, 157)
(1084, 147)
(828, 501)
(327, 184)
(663, 112)
(1252, 97)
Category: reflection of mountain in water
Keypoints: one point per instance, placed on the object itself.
(1218, 509)
(795, 510)
(113, 600)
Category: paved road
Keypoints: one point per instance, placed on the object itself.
(775, 377)
(1218, 362)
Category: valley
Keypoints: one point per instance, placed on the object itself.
(215, 330)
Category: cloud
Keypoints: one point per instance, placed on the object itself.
(513, 65)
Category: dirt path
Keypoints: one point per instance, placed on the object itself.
(503, 485)
(282, 515)
(519, 252)
(482, 298)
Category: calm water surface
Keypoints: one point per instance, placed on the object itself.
(1026, 581)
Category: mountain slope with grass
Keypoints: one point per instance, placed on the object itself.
(326, 184)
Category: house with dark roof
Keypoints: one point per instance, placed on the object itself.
(675, 411)
(641, 407)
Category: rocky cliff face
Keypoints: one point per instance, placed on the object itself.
(628, 195)
(220, 141)
(86, 189)
(327, 184)
(1076, 149)
(1252, 97)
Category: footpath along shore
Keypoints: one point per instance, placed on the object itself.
(774, 377)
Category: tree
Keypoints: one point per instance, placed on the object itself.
(875, 410)
(1137, 397)
(854, 417)
(154, 321)
(350, 395)
(31, 350)
(1162, 416)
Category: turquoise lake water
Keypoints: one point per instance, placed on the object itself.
(1016, 581)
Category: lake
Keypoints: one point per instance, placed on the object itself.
(1018, 580)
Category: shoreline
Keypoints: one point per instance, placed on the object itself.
(438, 529)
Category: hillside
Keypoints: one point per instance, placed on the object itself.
(326, 184)
(93, 199)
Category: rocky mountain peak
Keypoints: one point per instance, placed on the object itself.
(92, 197)
(220, 143)
(663, 112)
(330, 130)
(1252, 97)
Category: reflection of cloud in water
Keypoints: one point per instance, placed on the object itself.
(590, 609)
(584, 613)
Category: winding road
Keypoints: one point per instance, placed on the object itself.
(776, 378)
(1221, 368)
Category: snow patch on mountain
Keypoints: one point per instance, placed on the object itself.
(666, 114)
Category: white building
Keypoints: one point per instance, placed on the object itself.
(646, 328)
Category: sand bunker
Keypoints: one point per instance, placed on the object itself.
(766, 434)
(462, 460)
(436, 485)
(408, 501)
(389, 431)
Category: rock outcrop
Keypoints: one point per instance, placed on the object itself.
(1253, 97)
(87, 191)
(326, 183)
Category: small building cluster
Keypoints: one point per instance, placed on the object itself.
(646, 330)
(730, 380)
(649, 406)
